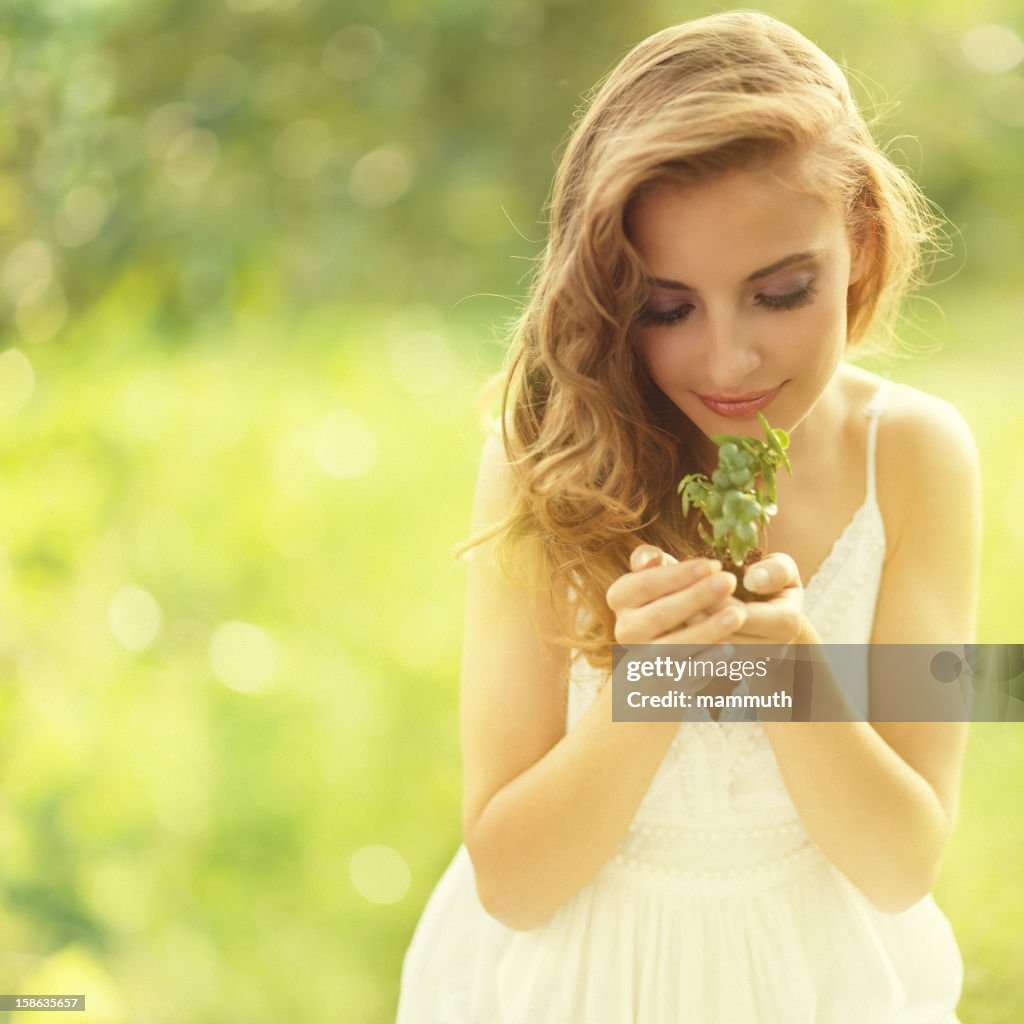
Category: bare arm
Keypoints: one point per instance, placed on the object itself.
(544, 809)
(881, 799)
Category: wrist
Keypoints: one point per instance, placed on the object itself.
(807, 634)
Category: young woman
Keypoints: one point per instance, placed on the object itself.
(724, 234)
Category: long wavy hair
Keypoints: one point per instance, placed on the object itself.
(596, 448)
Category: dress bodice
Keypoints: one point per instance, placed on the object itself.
(718, 808)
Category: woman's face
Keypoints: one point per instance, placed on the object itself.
(747, 307)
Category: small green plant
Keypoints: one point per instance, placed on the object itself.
(740, 497)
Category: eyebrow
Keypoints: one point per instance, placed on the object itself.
(797, 257)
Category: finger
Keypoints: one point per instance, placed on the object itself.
(649, 622)
(646, 556)
(772, 574)
(634, 589)
(708, 612)
(778, 621)
(714, 629)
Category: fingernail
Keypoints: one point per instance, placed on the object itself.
(722, 583)
(649, 557)
(756, 577)
(729, 618)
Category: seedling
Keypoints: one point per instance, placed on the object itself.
(739, 499)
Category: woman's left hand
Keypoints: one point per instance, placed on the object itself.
(780, 619)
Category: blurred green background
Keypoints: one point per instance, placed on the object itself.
(256, 259)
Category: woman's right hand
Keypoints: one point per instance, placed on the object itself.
(662, 600)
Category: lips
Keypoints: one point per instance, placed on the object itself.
(738, 407)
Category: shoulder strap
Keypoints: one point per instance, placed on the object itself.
(873, 411)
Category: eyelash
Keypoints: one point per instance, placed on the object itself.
(792, 300)
(777, 303)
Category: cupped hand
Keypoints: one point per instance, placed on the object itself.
(780, 619)
(663, 600)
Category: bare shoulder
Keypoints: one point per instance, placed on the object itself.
(495, 484)
(494, 498)
(924, 445)
(926, 456)
(929, 491)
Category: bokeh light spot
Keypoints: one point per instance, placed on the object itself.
(422, 362)
(134, 618)
(242, 657)
(80, 215)
(90, 83)
(164, 125)
(381, 177)
(380, 874)
(992, 48)
(40, 317)
(352, 53)
(17, 380)
(191, 156)
(344, 446)
(27, 272)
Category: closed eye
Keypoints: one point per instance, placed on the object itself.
(648, 317)
(791, 300)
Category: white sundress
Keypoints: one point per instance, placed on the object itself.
(717, 907)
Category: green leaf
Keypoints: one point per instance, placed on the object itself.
(747, 533)
(737, 550)
(778, 440)
(749, 511)
(733, 503)
(688, 479)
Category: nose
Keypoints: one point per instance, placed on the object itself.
(731, 352)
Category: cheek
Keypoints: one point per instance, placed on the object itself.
(659, 352)
(646, 351)
(834, 322)
(822, 326)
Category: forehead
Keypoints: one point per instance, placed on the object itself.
(731, 224)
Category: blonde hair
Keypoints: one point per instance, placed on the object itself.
(594, 444)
